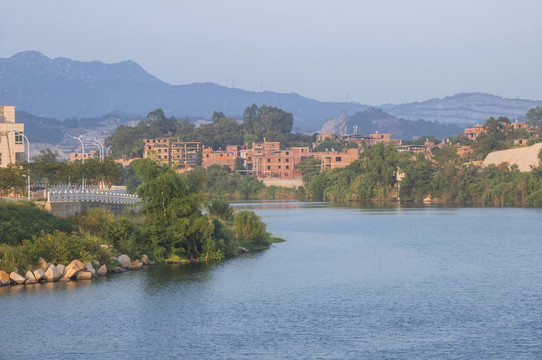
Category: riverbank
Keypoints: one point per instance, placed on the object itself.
(75, 270)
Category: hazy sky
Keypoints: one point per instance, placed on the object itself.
(371, 52)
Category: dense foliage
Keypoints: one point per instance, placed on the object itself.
(446, 179)
(23, 220)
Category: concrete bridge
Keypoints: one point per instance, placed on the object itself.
(70, 201)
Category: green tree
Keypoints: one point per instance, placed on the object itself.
(535, 116)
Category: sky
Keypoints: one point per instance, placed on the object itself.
(370, 52)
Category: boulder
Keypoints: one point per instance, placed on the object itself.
(73, 268)
(90, 269)
(145, 260)
(135, 265)
(44, 265)
(243, 250)
(61, 268)
(30, 281)
(95, 263)
(4, 278)
(102, 270)
(52, 274)
(117, 270)
(84, 275)
(29, 275)
(39, 274)
(65, 279)
(17, 278)
(124, 261)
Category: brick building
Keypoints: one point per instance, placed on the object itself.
(181, 155)
(11, 138)
(87, 155)
(336, 159)
(267, 160)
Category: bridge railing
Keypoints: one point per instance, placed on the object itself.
(89, 194)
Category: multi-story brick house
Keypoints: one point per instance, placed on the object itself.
(179, 154)
(267, 160)
(336, 159)
(11, 138)
(87, 155)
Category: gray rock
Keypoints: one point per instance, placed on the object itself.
(4, 278)
(90, 269)
(44, 265)
(135, 265)
(124, 260)
(117, 270)
(61, 268)
(17, 278)
(52, 274)
(145, 260)
(84, 275)
(29, 275)
(102, 270)
(73, 268)
(39, 274)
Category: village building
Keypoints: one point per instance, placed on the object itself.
(87, 155)
(181, 155)
(336, 159)
(377, 138)
(267, 160)
(474, 132)
(226, 157)
(11, 137)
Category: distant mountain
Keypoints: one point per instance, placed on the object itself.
(465, 109)
(375, 120)
(62, 88)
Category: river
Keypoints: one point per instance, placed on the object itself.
(351, 282)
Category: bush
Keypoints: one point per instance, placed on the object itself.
(251, 230)
(20, 221)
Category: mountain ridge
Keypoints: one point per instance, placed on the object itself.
(64, 88)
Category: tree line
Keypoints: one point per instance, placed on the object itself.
(47, 170)
(258, 123)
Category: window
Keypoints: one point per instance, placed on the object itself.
(18, 138)
(268, 160)
(287, 160)
(269, 168)
(287, 167)
(338, 158)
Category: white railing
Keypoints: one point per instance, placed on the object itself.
(91, 194)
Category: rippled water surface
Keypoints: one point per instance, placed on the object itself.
(349, 283)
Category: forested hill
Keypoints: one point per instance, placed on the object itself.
(63, 88)
(375, 120)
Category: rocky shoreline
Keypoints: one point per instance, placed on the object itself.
(76, 270)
